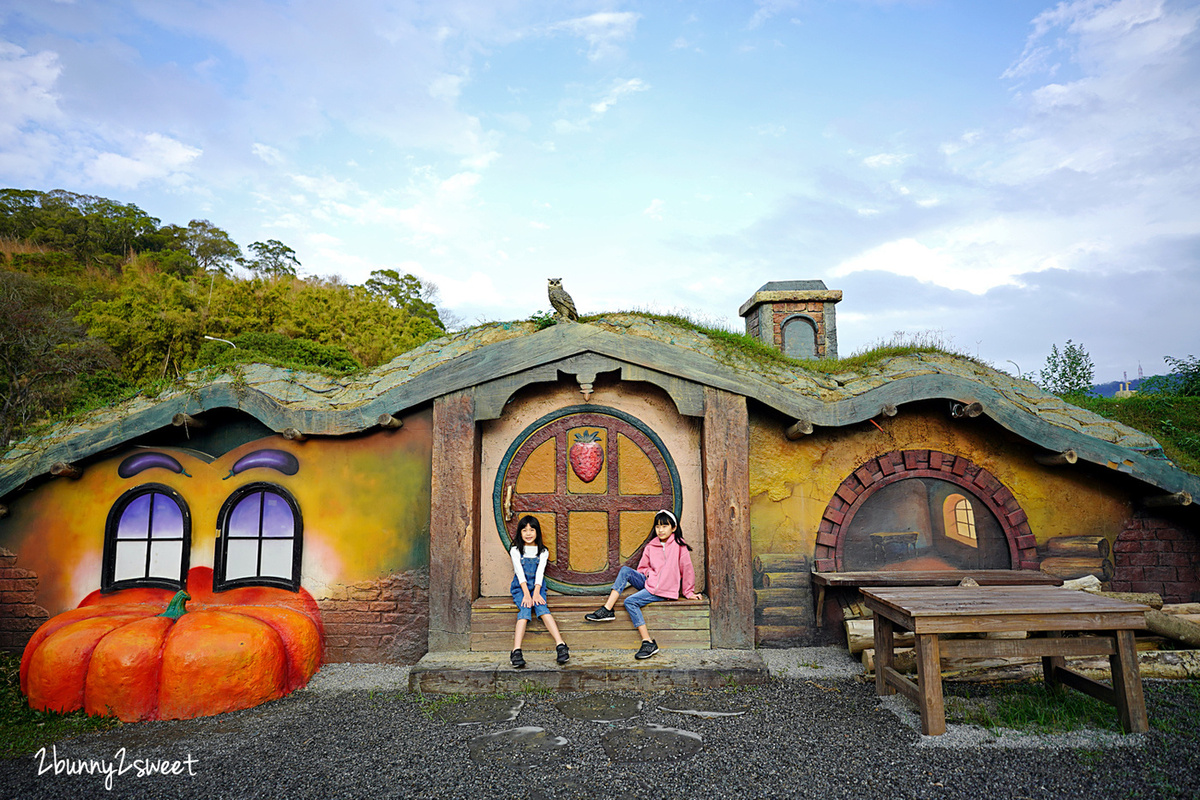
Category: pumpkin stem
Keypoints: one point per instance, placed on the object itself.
(177, 608)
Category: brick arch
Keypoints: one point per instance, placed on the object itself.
(899, 465)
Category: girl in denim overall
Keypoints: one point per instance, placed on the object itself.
(529, 555)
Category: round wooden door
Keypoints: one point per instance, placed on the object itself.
(594, 478)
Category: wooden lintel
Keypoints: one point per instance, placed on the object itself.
(181, 419)
(61, 469)
(798, 429)
(889, 410)
(293, 435)
(390, 422)
(1058, 459)
(1163, 500)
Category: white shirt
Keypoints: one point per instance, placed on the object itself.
(530, 552)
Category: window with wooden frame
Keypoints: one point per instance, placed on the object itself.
(958, 517)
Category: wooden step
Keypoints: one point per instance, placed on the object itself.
(679, 623)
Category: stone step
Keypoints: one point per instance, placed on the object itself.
(588, 670)
(678, 623)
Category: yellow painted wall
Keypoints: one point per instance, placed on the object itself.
(364, 501)
(791, 483)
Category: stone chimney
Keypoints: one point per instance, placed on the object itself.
(795, 317)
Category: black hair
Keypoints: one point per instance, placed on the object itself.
(666, 518)
(532, 522)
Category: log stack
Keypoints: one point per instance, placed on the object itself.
(1070, 557)
(783, 601)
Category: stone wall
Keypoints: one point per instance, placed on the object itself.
(20, 615)
(381, 621)
(1155, 555)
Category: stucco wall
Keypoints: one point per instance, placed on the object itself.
(651, 406)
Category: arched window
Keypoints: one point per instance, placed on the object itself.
(260, 539)
(959, 519)
(147, 540)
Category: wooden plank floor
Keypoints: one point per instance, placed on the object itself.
(680, 623)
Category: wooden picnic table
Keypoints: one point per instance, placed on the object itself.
(926, 577)
(931, 611)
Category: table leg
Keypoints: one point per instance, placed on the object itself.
(820, 606)
(884, 653)
(1049, 663)
(929, 684)
(1127, 684)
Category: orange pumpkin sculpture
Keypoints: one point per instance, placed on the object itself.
(141, 654)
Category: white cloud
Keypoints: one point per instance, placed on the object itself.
(601, 106)
(154, 157)
(267, 153)
(602, 31)
(885, 160)
(654, 210)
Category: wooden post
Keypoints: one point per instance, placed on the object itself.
(181, 420)
(3, 511)
(889, 410)
(1058, 459)
(390, 422)
(293, 435)
(61, 469)
(454, 522)
(725, 447)
(1167, 500)
(799, 429)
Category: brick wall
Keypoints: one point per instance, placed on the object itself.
(20, 615)
(382, 621)
(1155, 555)
(780, 313)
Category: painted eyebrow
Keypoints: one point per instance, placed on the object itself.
(278, 460)
(139, 462)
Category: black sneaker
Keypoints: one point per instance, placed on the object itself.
(647, 649)
(564, 654)
(601, 614)
(517, 659)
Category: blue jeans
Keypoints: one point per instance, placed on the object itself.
(634, 603)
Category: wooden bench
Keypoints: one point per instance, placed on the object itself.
(926, 577)
(932, 611)
(673, 623)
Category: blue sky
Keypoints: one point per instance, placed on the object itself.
(1005, 174)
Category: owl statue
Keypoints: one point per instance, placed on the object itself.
(563, 305)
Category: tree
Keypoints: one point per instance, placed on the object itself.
(211, 247)
(1070, 372)
(413, 294)
(272, 259)
(1184, 379)
(43, 352)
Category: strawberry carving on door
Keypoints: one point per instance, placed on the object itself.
(593, 476)
(587, 455)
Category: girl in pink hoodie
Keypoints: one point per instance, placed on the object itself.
(664, 573)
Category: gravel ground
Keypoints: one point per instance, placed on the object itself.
(816, 731)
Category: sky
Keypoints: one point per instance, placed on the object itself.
(996, 176)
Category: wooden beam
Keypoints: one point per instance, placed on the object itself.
(454, 522)
(3, 511)
(971, 410)
(181, 420)
(889, 410)
(725, 451)
(390, 422)
(292, 435)
(1164, 500)
(1057, 459)
(799, 429)
(61, 469)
